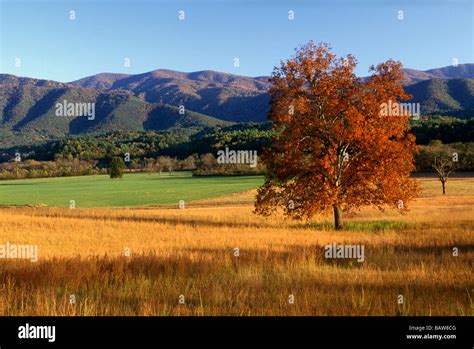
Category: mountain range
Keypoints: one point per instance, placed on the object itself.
(459, 71)
(151, 101)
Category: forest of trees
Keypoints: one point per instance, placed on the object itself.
(443, 128)
(188, 149)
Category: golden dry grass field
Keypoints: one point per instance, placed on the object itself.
(183, 262)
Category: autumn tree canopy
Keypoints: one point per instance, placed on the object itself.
(335, 149)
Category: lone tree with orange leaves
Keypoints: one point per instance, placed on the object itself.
(337, 148)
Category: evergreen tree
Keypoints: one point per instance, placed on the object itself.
(115, 167)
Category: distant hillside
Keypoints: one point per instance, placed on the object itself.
(151, 101)
(29, 112)
(101, 81)
(242, 99)
(451, 96)
(225, 96)
(449, 72)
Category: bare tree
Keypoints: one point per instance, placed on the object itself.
(149, 165)
(443, 167)
(207, 161)
(189, 163)
(171, 163)
(166, 162)
(161, 164)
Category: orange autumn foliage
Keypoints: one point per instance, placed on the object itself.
(334, 149)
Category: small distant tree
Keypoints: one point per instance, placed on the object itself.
(150, 165)
(134, 164)
(207, 162)
(165, 162)
(170, 165)
(115, 167)
(189, 163)
(444, 166)
(162, 163)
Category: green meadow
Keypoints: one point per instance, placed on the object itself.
(134, 189)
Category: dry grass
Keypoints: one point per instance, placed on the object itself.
(190, 252)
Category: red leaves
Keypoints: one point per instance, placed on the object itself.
(335, 148)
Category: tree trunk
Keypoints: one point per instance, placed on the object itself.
(444, 189)
(337, 217)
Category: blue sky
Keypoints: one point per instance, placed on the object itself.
(259, 33)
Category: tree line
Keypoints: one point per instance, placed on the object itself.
(196, 150)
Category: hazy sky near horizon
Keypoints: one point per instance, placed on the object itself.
(41, 36)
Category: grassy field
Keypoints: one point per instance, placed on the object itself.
(137, 189)
(192, 253)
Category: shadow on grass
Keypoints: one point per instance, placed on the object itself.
(15, 184)
(375, 226)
